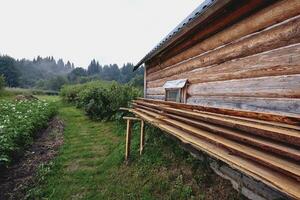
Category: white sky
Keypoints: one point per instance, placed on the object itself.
(111, 31)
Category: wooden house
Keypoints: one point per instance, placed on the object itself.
(226, 82)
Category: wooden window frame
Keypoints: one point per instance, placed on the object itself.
(182, 94)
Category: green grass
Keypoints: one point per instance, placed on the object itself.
(90, 165)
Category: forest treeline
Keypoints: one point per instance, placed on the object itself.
(50, 74)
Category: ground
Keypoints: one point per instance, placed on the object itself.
(90, 165)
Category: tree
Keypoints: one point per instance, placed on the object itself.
(56, 83)
(76, 73)
(2, 82)
(9, 71)
(93, 68)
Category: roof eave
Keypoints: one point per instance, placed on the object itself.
(202, 12)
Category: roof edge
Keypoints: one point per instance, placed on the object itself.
(178, 32)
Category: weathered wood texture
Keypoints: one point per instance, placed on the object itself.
(281, 61)
(280, 11)
(258, 157)
(279, 35)
(272, 86)
(284, 119)
(229, 15)
(128, 139)
(252, 65)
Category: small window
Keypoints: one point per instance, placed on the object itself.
(176, 90)
(173, 95)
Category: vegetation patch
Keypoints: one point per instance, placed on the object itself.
(19, 177)
(19, 122)
(91, 165)
(100, 100)
(2, 82)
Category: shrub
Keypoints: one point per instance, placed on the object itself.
(2, 82)
(100, 100)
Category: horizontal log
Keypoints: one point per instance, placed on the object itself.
(159, 97)
(266, 175)
(268, 105)
(287, 118)
(262, 143)
(281, 61)
(283, 34)
(277, 163)
(280, 134)
(156, 91)
(278, 12)
(243, 119)
(271, 86)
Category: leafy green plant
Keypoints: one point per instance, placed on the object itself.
(19, 121)
(100, 100)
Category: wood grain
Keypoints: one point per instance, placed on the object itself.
(293, 119)
(268, 176)
(280, 11)
(283, 34)
(281, 61)
(271, 86)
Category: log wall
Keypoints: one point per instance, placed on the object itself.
(252, 65)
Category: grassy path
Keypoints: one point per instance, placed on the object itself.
(90, 166)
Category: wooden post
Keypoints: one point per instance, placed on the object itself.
(142, 139)
(128, 137)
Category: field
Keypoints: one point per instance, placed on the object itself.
(19, 121)
(90, 163)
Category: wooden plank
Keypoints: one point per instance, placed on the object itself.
(283, 166)
(142, 137)
(279, 106)
(226, 17)
(262, 143)
(128, 139)
(266, 175)
(158, 97)
(283, 34)
(262, 122)
(265, 144)
(145, 81)
(272, 86)
(132, 118)
(276, 133)
(287, 118)
(287, 86)
(280, 11)
(281, 61)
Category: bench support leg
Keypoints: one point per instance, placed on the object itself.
(128, 137)
(142, 139)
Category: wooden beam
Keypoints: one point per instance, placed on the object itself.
(280, 134)
(280, 11)
(281, 61)
(277, 163)
(132, 118)
(142, 139)
(124, 109)
(279, 35)
(288, 118)
(265, 174)
(128, 139)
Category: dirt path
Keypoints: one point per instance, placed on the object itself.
(17, 178)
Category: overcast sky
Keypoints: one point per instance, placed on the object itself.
(111, 31)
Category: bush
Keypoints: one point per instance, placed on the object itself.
(100, 100)
(2, 82)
